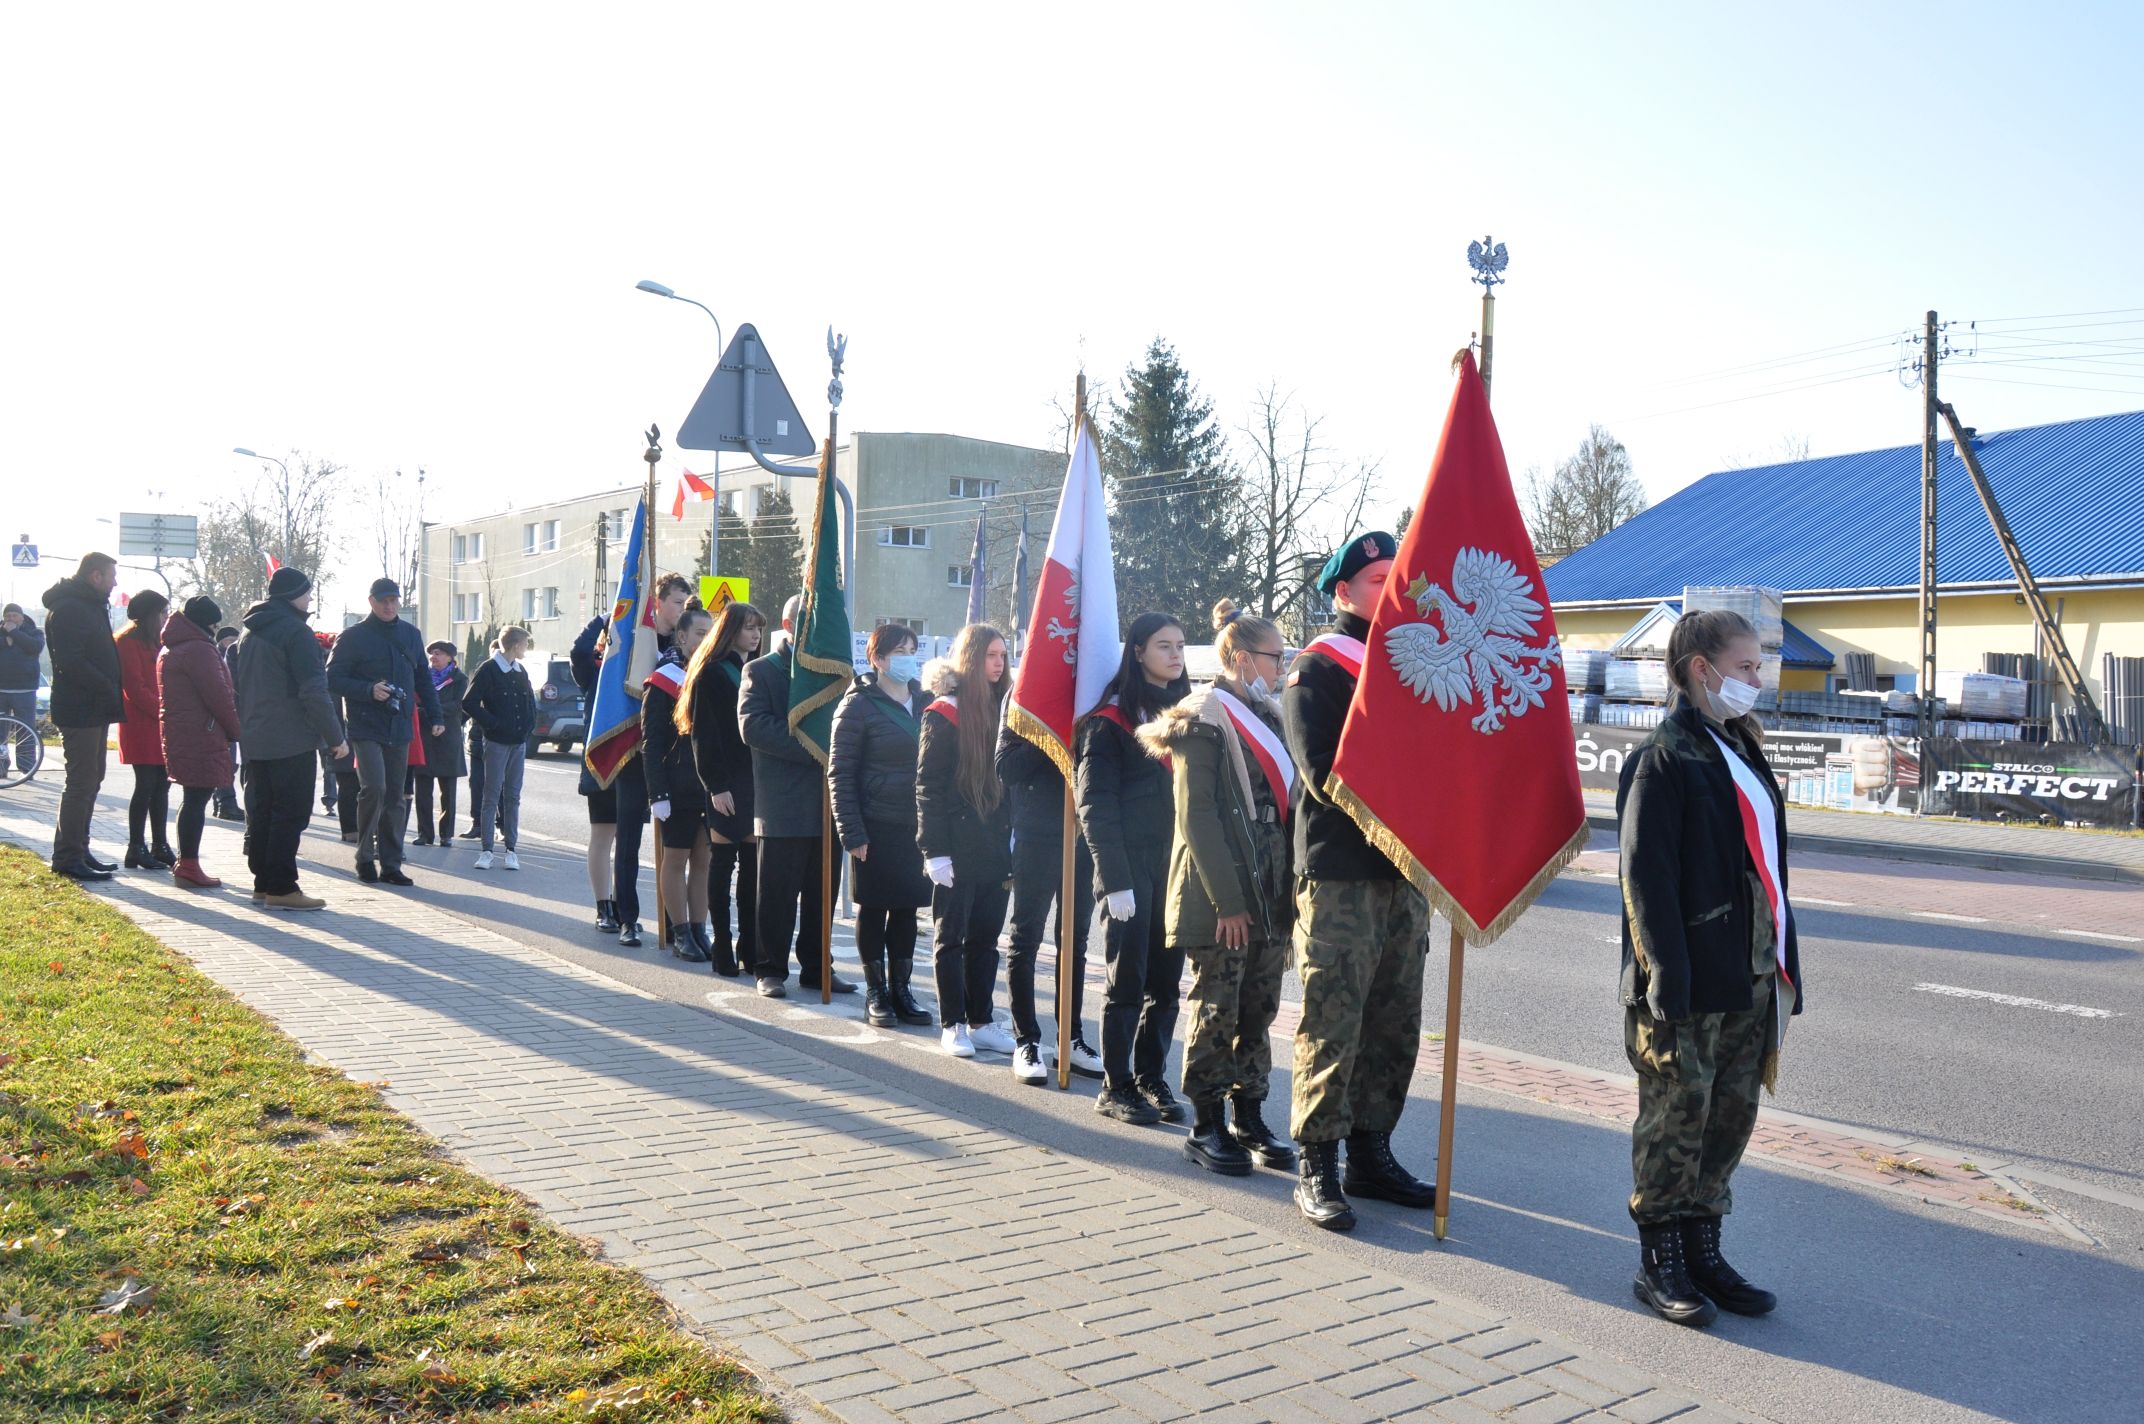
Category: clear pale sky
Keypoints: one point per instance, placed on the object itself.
(408, 235)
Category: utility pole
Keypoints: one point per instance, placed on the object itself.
(602, 558)
(1931, 413)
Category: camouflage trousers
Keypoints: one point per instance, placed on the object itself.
(1698, 1082)
(1234, 996)
(1359, 947)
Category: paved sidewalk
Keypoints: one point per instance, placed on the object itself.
(1983, 845)
(870, 1253)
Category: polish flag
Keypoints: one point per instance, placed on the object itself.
(700, 491)
(273, 563)
(1072, 644)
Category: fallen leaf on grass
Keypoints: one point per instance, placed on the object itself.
(138, 1187)
(318, 1343)
(616, 1398)
(336, 1302)
(131, 1295)
(429, 1253)
(6, 1059)
(132, 1144)
(110, 1340)
(13, 1319)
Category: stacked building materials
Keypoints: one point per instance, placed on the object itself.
(1984, 696)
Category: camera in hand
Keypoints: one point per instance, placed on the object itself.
(397, 698)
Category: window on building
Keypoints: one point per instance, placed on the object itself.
(905, 536)
(468, 548)
(547, 603)
(539, 537)
(528, 605)
(913, 625)
(468, 608)
(961, 487)
(960, 576)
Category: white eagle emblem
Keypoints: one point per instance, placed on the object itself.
(1068, 631)
(1481, 647)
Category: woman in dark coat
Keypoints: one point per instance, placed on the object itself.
(141, 738)
(675, 797)
(1711, 964)
(199, 726)
(964, 829)
(707, 713)
(1127, 811)
(873, 775)
(445, 757)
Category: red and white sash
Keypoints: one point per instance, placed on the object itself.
(668, 676)
(1265, 746)
(1760, 835)
(1346, 651)
(946, 707)
(1110, 712)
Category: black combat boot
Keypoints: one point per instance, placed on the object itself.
(1267, 1148)
(1372, 1171)
(1711, 1274)
(607, 917)
(905, 1007)
(878, 1000)
(1317, 1190)
(1210, 1144)
(1663, 1280)
(685, 942)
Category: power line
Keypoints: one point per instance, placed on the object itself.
(2042, 385)
(1847, 348)
(1808, 385)
(2061, 316)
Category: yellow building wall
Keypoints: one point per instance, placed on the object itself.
(2095, 623)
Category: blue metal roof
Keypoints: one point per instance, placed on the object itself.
(1796, 648)
(2073, 493)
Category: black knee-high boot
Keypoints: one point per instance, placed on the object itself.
(721, 863)
(748, 906)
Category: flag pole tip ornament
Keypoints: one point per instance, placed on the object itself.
(1354, 556)
(1456, 758)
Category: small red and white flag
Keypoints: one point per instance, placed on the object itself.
(1072, 645)
(273, 563)
(689, 486)
(1456, 758)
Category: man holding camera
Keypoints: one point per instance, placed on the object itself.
(379, 669)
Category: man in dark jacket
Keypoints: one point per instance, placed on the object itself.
(226, 801)
(285, 717)
(379, 669)
(1361, 932)
(20, 646)
(787, 785)
(85, 702)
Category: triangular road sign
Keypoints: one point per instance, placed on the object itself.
(717, 418)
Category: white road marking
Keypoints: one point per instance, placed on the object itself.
(2102, 934)
(1828, 904)
(2017, 1001)
(1960, 919)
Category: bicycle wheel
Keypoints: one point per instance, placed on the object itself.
(21, 753)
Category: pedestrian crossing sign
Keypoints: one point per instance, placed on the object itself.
(25, 555)
(717, 594)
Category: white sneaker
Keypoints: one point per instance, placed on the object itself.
(1085, 1061)
(513, 862)
(991, 1038)
(483, 860)
(1027, 1065)
(955, 1041)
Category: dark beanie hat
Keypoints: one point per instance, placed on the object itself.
(203, 612)
(287, 582)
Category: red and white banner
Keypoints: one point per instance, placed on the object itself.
(1072, 644)
(689, 486)
(1457, 758)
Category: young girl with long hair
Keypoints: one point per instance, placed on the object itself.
(964, 829)
(707, 713)
(675, 797)
(1124, 807)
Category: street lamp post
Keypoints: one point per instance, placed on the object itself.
(290, 537)
(714, 476)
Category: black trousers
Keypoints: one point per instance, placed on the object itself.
(149, 809)
(1144, 973)
(1037, 872)
(346, 794)
(742, 860)
(422, 783)
(968, 916)
(632, 789)
(791, 897)
(193, 815)
(279, 804)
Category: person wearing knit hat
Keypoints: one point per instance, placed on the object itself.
(197, 727)
(289, 584)
(286, 718)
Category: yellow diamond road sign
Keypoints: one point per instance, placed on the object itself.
(717, 594)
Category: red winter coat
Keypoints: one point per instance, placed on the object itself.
(139, 742)
(200, 716)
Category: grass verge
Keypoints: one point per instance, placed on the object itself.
(196, 1223)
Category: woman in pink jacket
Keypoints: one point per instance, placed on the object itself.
(200, 725)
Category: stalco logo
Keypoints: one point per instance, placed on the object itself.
(2008, 778)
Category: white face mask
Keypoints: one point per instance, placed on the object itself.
(1734, 698)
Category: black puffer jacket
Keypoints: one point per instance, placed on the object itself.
(1688, 906)
(284, 708)
(1313, 708)
(1126, 807)
(85, 661)
(979, 842)
(873, 766)
(665, 752)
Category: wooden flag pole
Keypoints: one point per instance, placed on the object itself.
(826, 892)
(1453, 976)
(1069, 935)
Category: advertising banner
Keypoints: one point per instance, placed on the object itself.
(2049, 782)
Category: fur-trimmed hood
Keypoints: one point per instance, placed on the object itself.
(1199, 715)
(940, 677)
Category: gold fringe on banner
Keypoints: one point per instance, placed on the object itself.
(1028, 725)
(1382, 836)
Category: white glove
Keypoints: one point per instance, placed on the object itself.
(661, 809)
(940, 869)
(1120, 904)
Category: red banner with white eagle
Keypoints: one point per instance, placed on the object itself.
(1072, 644)
(1457, 758)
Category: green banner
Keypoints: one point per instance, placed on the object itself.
(822, 671)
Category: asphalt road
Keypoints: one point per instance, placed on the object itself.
(1894, 1309)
